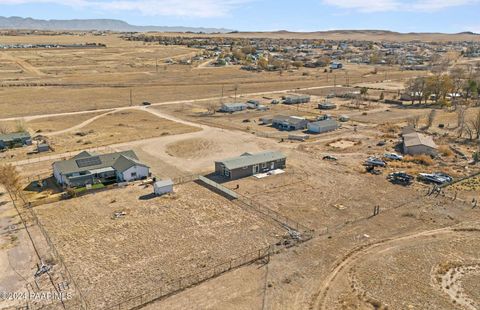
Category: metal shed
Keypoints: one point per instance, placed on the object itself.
(163, 187)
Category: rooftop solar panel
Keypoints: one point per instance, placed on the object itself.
(89, 161)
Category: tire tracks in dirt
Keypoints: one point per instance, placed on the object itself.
(320, 297)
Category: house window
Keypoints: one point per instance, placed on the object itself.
(133, 174)
(264, 165)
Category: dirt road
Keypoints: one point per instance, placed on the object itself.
(33, 117)
(353, 258)
(22, 64)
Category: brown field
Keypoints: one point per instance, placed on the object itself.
(367, 35)
(419, 252)
(159, 239)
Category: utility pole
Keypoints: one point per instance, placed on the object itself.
(221, 97)
(156, 64)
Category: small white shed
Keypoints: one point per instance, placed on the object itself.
(163, 187)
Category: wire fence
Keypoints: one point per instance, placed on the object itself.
(171, 287)
(78, 301)
(101, 149)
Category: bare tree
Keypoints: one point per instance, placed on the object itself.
(20, 125)
(10, 179)
(431, 118)
(475, 125)
(413, 121)
(461, 111)
(3, 129)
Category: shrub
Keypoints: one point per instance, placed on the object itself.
(419, 159)
(445, 150)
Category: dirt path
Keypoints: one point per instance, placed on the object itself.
(22, 63)
(78, 126)
(342, 268)
(33, 117)
(452, 285)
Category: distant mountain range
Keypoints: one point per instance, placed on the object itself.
(93, 24)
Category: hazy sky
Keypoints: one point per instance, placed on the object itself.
(295, 15)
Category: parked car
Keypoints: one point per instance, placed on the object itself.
(400, 178)
(437, 178)
(146, 103)
(329, 157)
(375, 162)
(275, 101)
(392, 156)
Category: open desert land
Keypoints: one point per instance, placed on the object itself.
(361, 35)
(156, 242)
(123, 73)
(420, 251)
(92, 130)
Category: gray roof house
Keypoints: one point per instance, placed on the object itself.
(289, 122)
(233, 107)
(14, 139)
(249, 164)
(415, 143)
(323, 126)
(296, 99)
(90, 168)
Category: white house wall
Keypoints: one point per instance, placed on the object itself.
(142, 172)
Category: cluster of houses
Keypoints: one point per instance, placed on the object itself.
(88, 168)
(284, 53)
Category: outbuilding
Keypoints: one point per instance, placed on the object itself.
(323, 126)
(163, 187)
(327, 106)
(416, 143)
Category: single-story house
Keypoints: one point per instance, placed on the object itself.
(416, 143)
(411, 96)
(90, 168)
(14, 139)
(323, 126)
(233, 107)
(327, 106)
(289, 122)
(336, 65)
(163, 187)
(296, 99)
(249, 164)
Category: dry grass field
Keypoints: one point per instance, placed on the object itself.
(64, 80)
(158, 240)
(419, 252)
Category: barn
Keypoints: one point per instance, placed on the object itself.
(415, 143)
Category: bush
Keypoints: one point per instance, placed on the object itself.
(419, 159)
(445, 150)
